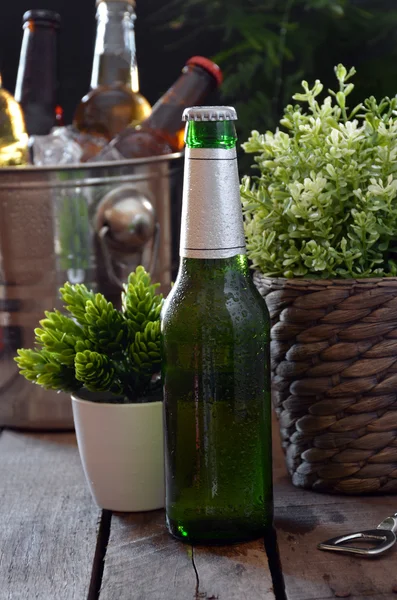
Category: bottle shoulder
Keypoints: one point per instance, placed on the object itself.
(8, 105)
(236, 303)
(13, 136)
(109, 109)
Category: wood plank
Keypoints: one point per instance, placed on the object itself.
(48, 521)
(143, 562)
(304, 518)
(234, 572)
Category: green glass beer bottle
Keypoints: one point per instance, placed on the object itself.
(215, 336)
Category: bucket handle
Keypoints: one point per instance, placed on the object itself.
(103, 234)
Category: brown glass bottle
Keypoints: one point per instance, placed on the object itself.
(162, 132)
(37, 80)
(114, 101)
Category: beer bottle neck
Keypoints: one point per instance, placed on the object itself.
(115, 51)
(193, 85)
(37, 79)
(211, 134)
(212, 221)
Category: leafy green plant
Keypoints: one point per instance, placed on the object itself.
(325, 202)
(97, 347)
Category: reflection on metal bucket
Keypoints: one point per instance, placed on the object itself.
(89, 224)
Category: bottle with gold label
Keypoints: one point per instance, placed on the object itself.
(114, 101)
(216, 340)
(13, 137)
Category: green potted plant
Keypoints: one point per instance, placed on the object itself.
(321, 227)
(109, 360)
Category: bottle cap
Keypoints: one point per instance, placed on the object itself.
(209, 113)
(41, 15)
(131, 2)
(208, 65)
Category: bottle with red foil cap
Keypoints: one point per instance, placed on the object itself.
(162, 132)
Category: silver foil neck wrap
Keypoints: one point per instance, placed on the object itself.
(212, 219)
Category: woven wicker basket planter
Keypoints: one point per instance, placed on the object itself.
(334, 372)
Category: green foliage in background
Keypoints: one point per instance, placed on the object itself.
(266, 47)
(325, 202)
(97, 347)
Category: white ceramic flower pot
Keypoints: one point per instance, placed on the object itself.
(121, 449)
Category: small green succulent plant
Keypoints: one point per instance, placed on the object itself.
(324, 204)
(97, 347)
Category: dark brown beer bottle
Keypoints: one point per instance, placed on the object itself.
(162, 132)
(37, 80)
(114, 101)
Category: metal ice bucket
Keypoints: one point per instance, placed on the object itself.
(91, 224)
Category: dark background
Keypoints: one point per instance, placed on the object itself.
(159, 61)
(264, 47)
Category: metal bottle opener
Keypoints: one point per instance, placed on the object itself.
(383, 538)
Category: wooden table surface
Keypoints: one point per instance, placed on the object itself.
(56, 545)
